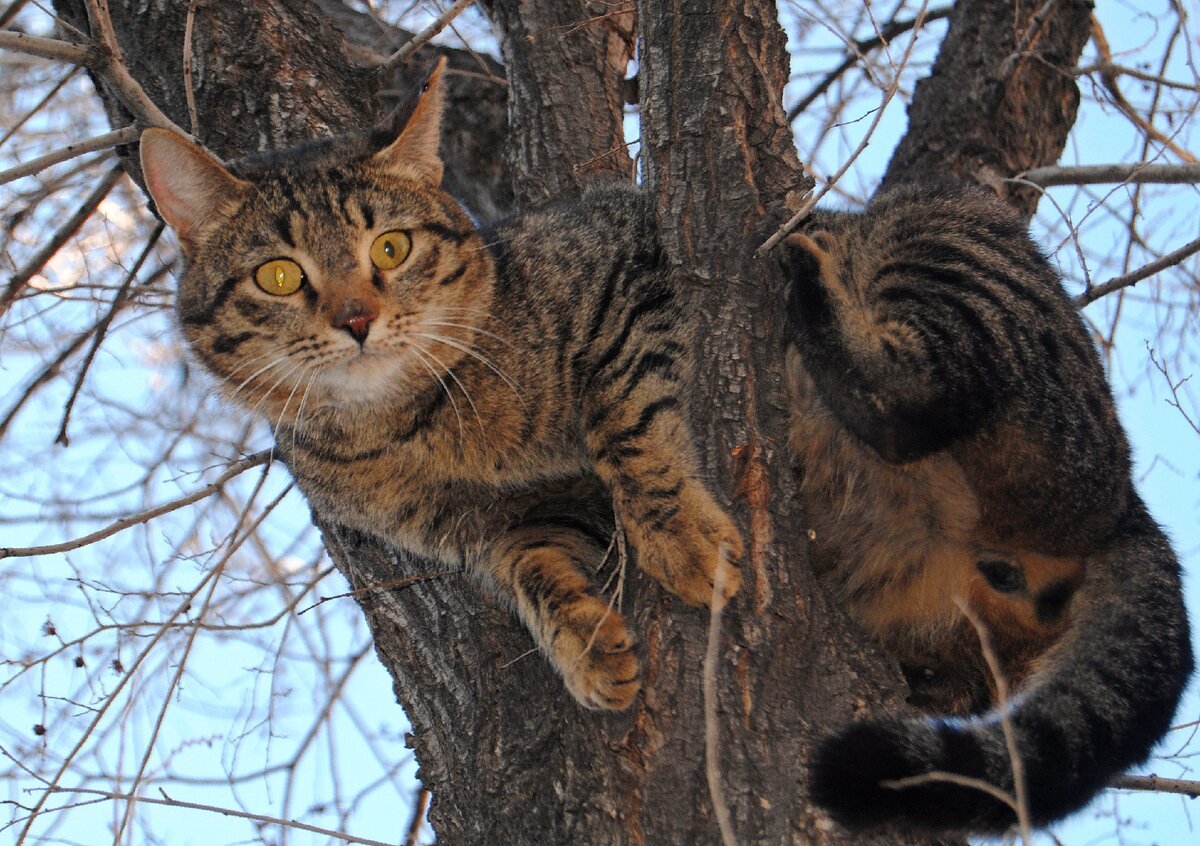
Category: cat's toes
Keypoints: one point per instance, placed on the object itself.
(595, 653)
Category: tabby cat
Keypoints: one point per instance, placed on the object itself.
(479, 399)
(466, 397)
(957, 443)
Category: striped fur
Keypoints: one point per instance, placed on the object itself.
(957, 442)
(507, 387)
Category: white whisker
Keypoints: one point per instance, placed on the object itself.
(420, 354)
(466, 326)
(257, 373)
(461, 387)
(466, 349)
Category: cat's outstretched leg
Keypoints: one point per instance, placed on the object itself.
(643, 451)
(585, 638)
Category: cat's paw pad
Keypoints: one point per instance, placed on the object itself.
(696, 546)
(594, 651)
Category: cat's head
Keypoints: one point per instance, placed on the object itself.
(336, 273)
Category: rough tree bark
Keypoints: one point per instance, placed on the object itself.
(1000, 98)
(507, 754)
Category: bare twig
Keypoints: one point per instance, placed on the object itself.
(181, 659)
(1123, 70)
(712, 731)
(1140, 172)
(117, 74)
(101, 330)
(50, 95)
(422, 38)
(71, 151)
(169, 802)
(808, 205)
(1109, 78)
(1021, 800)
(1173, 385)
(856, 50)
(951, 778)
(120, 525)
(180, 609)
(1170, 259)
(418, 817)
(1158, 784)
(393, 585)
(189, 23)
(18, 282)
(49, 48)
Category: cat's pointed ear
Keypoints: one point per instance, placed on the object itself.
(188, 185)
(414, 152)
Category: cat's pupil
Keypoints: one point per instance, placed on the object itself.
(389, 249)
(280, 276)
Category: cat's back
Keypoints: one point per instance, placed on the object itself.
(1047, 454)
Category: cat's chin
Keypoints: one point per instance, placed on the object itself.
(368, 380)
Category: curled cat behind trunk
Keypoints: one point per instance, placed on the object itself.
(959, 448)
(477, 399)
(480, 399)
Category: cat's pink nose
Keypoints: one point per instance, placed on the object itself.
(355, 317)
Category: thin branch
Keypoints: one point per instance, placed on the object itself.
(418, 817)
(11, 10)
(392, 585)
(71, 151)
(101, 330)
(1109, 78)
(856, 52)
(950, 778)
(18, 282)
(120, 525)
(1158, 784)
(193, 115)
(1122, 70)
(1170, 259)
(421, 38)
(1140, 172)
(712, 737)
(808, 205)
(50, 95)
(117, 74)
(49, 48)
(1020, 796)
(216, 809)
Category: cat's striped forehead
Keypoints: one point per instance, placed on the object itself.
(302, 207)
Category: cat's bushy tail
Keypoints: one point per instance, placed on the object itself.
(1097, 705)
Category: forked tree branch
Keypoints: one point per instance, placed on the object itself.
(1170, 259)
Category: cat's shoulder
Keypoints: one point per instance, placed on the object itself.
(612, 217)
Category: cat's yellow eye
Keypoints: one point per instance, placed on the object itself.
(279, 276)
(390, 249)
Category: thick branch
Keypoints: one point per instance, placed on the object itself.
(1001, 97)
(566, 64)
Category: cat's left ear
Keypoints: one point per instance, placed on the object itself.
(415, 150)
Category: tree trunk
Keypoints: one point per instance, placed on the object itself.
(508, 756)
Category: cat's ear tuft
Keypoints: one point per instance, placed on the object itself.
(414, 152)
(188, 185)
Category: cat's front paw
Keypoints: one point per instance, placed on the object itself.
(593, 649)
(697, 547)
